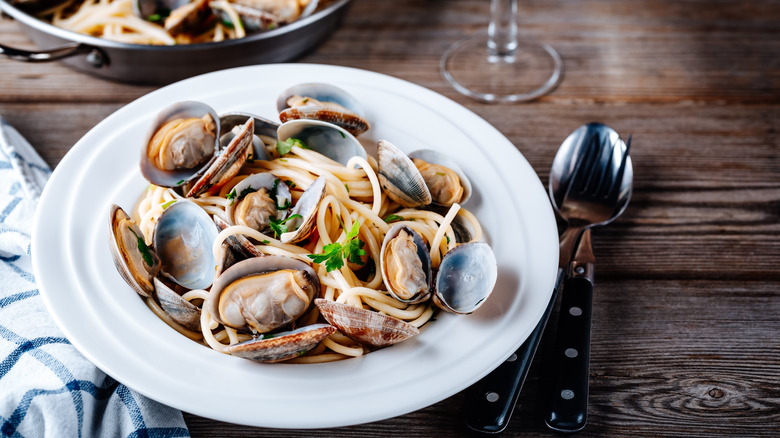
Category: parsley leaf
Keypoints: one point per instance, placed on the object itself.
(283, 147)
(273, 195)
(278, 226)
(333, 254)
(144, 249)
(393, 218)
(168, 204)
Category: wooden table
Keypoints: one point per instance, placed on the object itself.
(687, 303)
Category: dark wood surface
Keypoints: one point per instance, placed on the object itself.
(686, 321)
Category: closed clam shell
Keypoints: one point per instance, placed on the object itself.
(125, 253)
(177, 177)
(179, 309)
(282, 346)
(436, 157)
(422, 253)
(467, 275)
(325, 138)
(365, 326)
(399, 177)
(346, 113)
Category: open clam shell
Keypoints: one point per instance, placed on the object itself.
(257, 295)
(400, 178)
(136, 263)
(367, 327)
(325, 138)
(467, 275)
(229, 161)
(183, 238)
(306, 207)
(181, 141)
(406, 265)
(239, 245)
(282, 346)
(440, 159)
(262, 128)
(325, 102)
(179, 309)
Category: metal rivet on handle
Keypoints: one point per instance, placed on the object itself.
(567, 394)
(575, 311)
(571, 353)
(492, 397)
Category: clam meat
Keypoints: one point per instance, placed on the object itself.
(406, 265)
(183, 143)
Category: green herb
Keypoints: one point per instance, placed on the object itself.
(154, 18)
(181, 182)
(347, 187)
(284, 147)
(274, 196)
(333, 255)
(342, 135)
(265, 242)
(290, 184)
(245, 192)
(228, 24)
(441, 174)
(271, 26)
(145, 251)
(278, 226)
(393, 218)
(231, 195)
(168, 204)
(306, 100)
(448, 239)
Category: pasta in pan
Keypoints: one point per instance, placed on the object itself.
(364, 253)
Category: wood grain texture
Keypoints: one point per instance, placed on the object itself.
(687, 297)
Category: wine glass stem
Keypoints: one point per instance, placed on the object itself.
(502, 31)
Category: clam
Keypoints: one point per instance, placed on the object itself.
(282, 346)
(325, 138)
(229, 162)
(263, 128)
(251, 18)
(466, 277)
(136, 262)
(183, 238)
(179, 309)
(325, 102)
(181, 144)
(239, 246)
(262, 294)
(400, 178)
(304, 214)
(260, 197)
(189, 18)
(365, 326)
(445, 180)
(406, 265)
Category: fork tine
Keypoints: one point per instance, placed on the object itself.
(581, 168)
(587, 164)
(605, 165)
(618, 182)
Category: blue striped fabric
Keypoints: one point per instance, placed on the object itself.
(47, 388)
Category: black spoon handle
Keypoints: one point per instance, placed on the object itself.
(492, 400)
(568, 409)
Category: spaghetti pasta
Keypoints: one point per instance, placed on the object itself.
(336, 214)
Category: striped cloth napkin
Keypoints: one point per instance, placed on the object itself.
(47, 388)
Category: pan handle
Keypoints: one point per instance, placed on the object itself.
(95, 57)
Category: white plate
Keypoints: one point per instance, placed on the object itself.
(112, 327)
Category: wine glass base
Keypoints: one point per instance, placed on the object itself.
(533, 70)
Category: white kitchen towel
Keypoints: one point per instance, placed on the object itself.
(48, 388)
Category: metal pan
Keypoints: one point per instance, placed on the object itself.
(156, 65)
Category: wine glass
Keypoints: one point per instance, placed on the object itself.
(499, 66)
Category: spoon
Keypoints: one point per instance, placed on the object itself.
(589, 186)
(587, 201)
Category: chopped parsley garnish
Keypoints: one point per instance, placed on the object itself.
(265, 242)
(342, 135)
(393, 218)
(245, 192)
(181, 182)
(154, 18)
(441, 174)
(278, 226)
(284, 147)
(346, 187)
(231, 195)
(290, 184)
(333, 254)
(228, 24)
(305, 100)
(168, 204)
(144, 249)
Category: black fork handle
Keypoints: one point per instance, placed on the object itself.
(492, 400)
